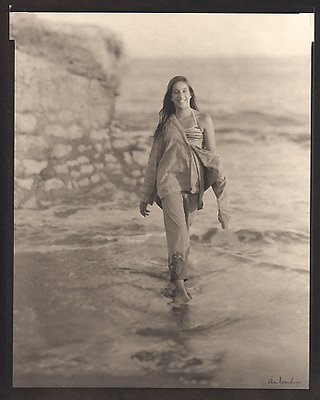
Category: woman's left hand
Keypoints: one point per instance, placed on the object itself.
(223, 221)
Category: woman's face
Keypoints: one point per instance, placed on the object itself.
(181, 95)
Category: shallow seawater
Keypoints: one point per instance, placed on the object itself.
(100, 313)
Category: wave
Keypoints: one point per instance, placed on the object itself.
(251, 236)
(260, 125)
(300, 138)
(262, 116)
(246, 135)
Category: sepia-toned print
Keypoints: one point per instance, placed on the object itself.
(180, 118)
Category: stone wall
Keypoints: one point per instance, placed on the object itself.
(67, 143)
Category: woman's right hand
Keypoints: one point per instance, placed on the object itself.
(143, 209)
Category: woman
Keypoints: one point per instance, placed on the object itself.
(183, 163)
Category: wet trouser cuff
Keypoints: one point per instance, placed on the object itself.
(177, 268)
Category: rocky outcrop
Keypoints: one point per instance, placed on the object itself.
(67, 142)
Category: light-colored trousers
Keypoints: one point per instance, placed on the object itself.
(179, 209)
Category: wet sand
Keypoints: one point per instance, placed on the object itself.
(93, 307)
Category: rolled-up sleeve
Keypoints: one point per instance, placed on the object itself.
(149, 187)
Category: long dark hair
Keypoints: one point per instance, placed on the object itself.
(168, 106)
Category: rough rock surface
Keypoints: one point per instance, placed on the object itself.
(67, 142)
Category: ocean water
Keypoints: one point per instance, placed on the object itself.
(93, 305)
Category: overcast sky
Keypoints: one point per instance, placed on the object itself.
(204, 35)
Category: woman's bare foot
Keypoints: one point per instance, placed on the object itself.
(181, 295)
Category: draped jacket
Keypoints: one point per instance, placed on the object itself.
(171, 161)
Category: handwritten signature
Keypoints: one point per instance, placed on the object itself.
(282, 381)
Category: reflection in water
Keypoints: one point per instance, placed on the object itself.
(179, 360)
(181, 315)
